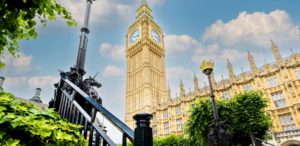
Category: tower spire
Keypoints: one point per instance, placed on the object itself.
(197, 90)
(252, 64)
(144, 3)
(231, 73)
(276, 52)
(182, 91)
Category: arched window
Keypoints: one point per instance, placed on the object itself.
(297, 73)
(269, 84)
(273, 83)
(276, 80)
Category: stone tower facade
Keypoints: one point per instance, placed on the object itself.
(145, 53)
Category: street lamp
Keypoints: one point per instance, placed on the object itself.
(217, 136)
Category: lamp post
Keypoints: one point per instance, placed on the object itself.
(83, 41)
(217, 136)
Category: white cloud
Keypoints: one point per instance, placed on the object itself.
(44, 82)
(253, 29)
(117, 52)
(111, 71)
(13, 82)
(213, 48)
(16, 66)
(177, 72)
(179, 46)
(105, 15)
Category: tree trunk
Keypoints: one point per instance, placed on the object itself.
(253, 143)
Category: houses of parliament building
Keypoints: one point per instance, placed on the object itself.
(146, 88)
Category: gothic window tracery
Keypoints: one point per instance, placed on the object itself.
(166, 127)
(247, 87)
(226, 95)
(165, 114)
(178, 110)
(272, 81)
(279, 100)
(154, 130)
(179, 124)
(297, 73)
(287, 122)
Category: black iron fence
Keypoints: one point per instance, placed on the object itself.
(70, 109)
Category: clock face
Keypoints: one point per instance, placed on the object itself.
(155, 36)
(134, 36)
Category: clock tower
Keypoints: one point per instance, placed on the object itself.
(145, 53)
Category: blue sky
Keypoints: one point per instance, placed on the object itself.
(194, 30)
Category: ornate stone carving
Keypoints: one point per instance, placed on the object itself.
(285, 75)
(283, 110)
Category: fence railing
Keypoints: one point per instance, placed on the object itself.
(70, 109)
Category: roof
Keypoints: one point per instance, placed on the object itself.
(40, 105)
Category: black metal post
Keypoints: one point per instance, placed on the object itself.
(124, 143)
(83, 42)
(143, 131)
(57, 99)
(218, 136)
(216, 116)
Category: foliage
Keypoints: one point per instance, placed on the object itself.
(250, 116)
(244, 113)
(172, 140)
(128, 144)
(24, 124)
(17, 21)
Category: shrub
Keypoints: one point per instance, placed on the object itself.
(23, 124)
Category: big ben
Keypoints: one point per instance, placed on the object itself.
(145, 53)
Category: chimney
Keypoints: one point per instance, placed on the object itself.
(38, 92)
(1, 82)
(37, 98)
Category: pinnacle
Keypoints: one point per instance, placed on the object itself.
(228, 63)
(144, 3)
(273, 45)
(249, 55)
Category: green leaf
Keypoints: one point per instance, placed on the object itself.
(24, 1)
(44, 24)
(12, 142)
(2, 108)
(2, 132)
(69, 23)
(15, 124)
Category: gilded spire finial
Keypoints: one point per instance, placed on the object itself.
(222, 77)
(265, 62)
(242, 70)
(205, 84)
(144, 3)
(292, 51)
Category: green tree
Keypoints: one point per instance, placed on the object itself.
(250, 116)
(24, 124)
(244, 113)
(16, 21)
